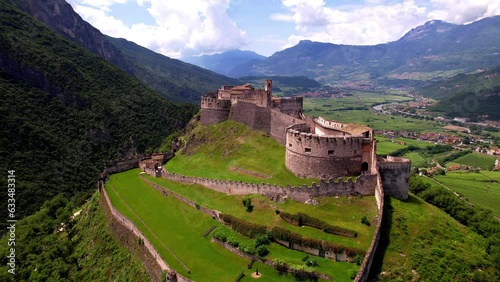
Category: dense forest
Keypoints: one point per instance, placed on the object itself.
(65, 112)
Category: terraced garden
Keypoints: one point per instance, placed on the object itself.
(173, 225)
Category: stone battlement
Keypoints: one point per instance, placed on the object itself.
(363, 185)
(214, 103)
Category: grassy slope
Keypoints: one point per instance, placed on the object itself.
(342, 211)
(229, 151)
(425, 239)
(180, 227)
(477, 160)
(482, 188)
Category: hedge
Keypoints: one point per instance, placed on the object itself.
(244, 227)
(300, 219)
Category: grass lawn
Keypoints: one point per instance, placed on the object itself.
(230, 151)
(344, 212)
(428, 245)
(388, 147)
(171, 224)
(477, 160)
(416, 159)
(482, 189)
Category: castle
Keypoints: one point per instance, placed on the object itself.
(315, 147)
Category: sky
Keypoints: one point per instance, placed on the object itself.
(180, 28)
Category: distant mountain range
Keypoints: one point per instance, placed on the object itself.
(433, 51)
(225, 62)
(173, 79)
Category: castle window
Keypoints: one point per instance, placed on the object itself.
(307, 150)
(355, 152)
(330, 152)
(289, 144)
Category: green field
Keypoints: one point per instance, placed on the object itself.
(416, 159)
(428, 245)
(171, 224)
(328, 210)
(477, 160)
(482, 189)
(230, 151)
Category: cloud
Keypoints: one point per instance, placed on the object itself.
(376, 21)
(182, 27)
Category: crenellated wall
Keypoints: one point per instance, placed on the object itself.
(311, 155)
(214, 110)
(395, 174)
(280, 123)
(291, 106)
(364, 185)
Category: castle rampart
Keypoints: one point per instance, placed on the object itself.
(395, 175)
(214, 110)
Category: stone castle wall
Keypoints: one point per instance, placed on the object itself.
(291, 106)
(279, 124)
(256, 117)
(311, 155)
(213, 110)
(395, 174)
(364, 185)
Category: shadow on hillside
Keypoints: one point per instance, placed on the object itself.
(385, 234)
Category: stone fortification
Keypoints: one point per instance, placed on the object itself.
(395, 174)
(252, 115)
(364, 185)
(280, 123)
(214, 110)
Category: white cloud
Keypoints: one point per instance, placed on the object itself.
(182, 27)
(376, 21)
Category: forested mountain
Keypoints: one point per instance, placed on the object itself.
(433, 51)
(171, 78)
(224, 62)
(65, 111)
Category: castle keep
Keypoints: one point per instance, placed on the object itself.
(315, 147)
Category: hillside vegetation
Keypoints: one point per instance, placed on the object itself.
(84, 251)
(231, 151)
(66, 111)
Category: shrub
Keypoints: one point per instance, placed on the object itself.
(365, 221)
(277, 211)
(262, 251)
(233, 242)
(311, 263)
(244, 227)
(220, 234)
(280, 266)
(247, 202)
(247, 249)
(306, 258)
(262, 240)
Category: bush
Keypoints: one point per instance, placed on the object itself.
(365, 221)
(280, 266)
(247, 202)
(233, 242)
(244, 227)
(262, 240)
(247, 249)
(306, 258)
(277, 211)
(262, 251)
(311, 263)
(220, 234)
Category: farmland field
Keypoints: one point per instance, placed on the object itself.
(482, 189)
(477, 160)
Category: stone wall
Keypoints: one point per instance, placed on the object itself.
(291, 106)
(252, 115)
(280, 123)
(364, 270)
(214, 110)
(311, 155)
(128, 235)
(395, 175)
(364, 185)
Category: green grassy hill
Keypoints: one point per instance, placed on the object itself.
(230, 151)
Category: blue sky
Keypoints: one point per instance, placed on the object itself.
(194, 27)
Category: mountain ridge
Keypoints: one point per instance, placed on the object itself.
(433, 51)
